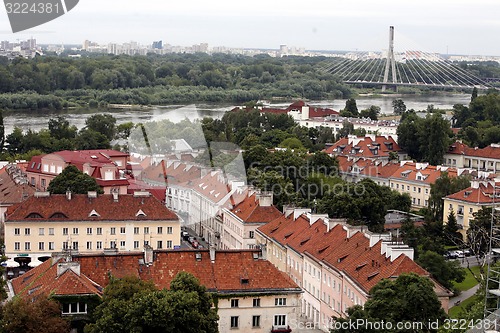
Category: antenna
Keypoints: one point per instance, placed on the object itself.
(492, 294)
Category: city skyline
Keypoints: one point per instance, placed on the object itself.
(456, 27)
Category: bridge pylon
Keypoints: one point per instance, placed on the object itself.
(390, 64)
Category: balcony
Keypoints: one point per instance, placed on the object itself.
(281, 329)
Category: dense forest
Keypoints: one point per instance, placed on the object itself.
(58, 82)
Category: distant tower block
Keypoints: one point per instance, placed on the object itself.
(390, 63)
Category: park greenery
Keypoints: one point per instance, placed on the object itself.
(407, 299)
(127, 305)
(61, 82)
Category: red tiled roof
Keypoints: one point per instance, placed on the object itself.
(483, 194)
(43, 280)
(250, 211)
(12, 192)
(365, 265)
(225, 274)
(459, 148)
(364, 147)
(80, 206)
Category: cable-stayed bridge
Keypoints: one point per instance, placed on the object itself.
(404, 68)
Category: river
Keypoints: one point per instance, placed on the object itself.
(36, 120)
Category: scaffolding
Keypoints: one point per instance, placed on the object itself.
(492, 293)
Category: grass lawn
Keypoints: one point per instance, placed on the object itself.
(469, 281)
(454, 312)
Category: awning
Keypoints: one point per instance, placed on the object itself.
(11, 263)
(35, 262)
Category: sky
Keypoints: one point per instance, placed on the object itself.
(441, 26)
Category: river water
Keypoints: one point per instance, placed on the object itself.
(36, 120)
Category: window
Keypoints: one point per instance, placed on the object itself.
(112, 244)
(160, 230)
(146, 230)
(235, 303)
(280, 301)
(17, 231)
(89, 231)
(279, 320)
(51, 231)
(75, 231)
(65, 246)
(169, 244)
(234, 321)
(113, 231)
(251, 234)
(159, 244)
(89, 245)
(136, 244)
(99, 231)
(27, 231)
(256, 302)
(98, 245)
(122, 244)
(122, 230)
(27, 246)
(136, 230)
(17, 246)
(65, 231)
(75, 245)
(51, 246)
(43, 183)
(169, 230)
(41, 231)
(72, 308)
(41, 246)
(256, 321)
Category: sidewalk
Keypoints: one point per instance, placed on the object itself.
(463, 296)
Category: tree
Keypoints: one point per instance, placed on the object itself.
(136, 306)
(409, 298)
(372, 112)
(399, 106)
(60, 128)
(351, 108)
(40, 316)
(474, 94)
(347, 128)
(451, 232)
(74, 180)
(102, 123)
(445, 272)
(90, 139)
(442, 187)
(478, 234)
(15, 141)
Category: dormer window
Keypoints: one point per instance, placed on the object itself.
(93, 213)
(34, 216)
(140, 213)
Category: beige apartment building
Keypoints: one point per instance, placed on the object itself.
(77, 223)
(460, 155)
(335, 264)
(469, 201)
(250, 294)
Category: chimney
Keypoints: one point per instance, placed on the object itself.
(92, 194)
(115, 196)
(287, 210)
(212, 253)
(68, 194)
(265, 199)
(314, 217)
(299, 211)
(148, 255)
(68, 265)
(263, 251)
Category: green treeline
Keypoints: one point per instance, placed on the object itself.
(59, 82)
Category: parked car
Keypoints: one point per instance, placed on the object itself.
(451, 255)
